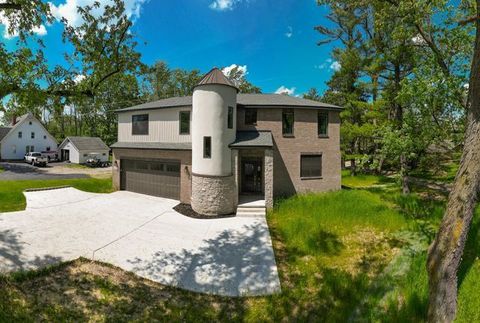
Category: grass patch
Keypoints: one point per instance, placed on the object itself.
(364, 180)
(352, 255)
(12, 198)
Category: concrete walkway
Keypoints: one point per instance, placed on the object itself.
(140, 233)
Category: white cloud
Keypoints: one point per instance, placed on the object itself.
(78, 78)
(336, 66)
(242, 68)
(224, 5)
(418, 40)
(68, 9)
(330, 63)
(289, 32)
(285, 90)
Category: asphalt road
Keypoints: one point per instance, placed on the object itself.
(23, 171)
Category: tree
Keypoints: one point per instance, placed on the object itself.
(237, 75)
(164, 82)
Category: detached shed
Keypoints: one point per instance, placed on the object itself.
(78, 149)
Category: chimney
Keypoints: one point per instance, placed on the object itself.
(14, 119)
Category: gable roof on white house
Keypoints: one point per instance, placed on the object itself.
(85, 143)
(6, 131)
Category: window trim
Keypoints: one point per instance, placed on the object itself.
(284, 112)
(230, 117)
(325, 113)
(180, 122)
(321, 165)
(207, 139)
(245, 117)
(148, 124)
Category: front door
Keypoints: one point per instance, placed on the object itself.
(252, 175)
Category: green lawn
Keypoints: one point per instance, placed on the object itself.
(363, 181)
(11, 192)
(353, 255)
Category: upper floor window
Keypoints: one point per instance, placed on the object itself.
(184, 122)
(32, 135)
(44, 136)
(251, 116)
(30, 122)
(140, 124)
(287, 122)
(207, 147)
(322, 124)
(230, 118)
(20, 134)
(310, 166)
(48, 148)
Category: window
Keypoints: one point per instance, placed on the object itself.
(311, 166)
(230, 118)
(184, 122)
(250, 116)
(140, 124)
(44, 136)
(85, 155)
(20, 134)
(287, 122)
(104, 154)
(32, 135)
(173, 168)
(323, 124)
(30, 122)
(48, 148)
(29, 149)
(14, 149)
(207, 147)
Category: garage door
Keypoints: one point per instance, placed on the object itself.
(152, 177)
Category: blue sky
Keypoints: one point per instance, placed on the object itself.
(274, 39)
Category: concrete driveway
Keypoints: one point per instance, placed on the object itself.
(142, 234)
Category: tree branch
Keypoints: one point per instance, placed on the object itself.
(10, 6)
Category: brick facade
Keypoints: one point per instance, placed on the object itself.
(287, 150)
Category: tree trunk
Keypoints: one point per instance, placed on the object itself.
(353, 167)
(404, 174)
(445, 253)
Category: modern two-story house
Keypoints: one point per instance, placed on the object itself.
(209, 149)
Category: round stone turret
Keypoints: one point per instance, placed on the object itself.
(214, 112)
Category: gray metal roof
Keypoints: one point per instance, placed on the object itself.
(253, 139)
(215, 76)
(85, 143)
(255, 100)
(182, 101)
(280, 100)
(154, 145)
(4, 131)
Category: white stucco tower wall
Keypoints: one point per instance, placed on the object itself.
(213, 185)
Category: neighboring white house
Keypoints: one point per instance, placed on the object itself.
(78, 149)
(24, 135)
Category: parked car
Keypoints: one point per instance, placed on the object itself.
(51, 155)
(36, 158)
(94, 161)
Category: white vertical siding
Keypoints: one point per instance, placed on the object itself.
(163, 126)
(15, 148)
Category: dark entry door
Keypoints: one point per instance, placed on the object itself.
(152, 177)
(252, 175)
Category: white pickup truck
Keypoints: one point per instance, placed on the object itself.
(35, 158)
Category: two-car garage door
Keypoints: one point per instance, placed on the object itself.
(152, 177)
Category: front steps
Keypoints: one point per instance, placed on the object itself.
(252, 212)
(251, 206)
